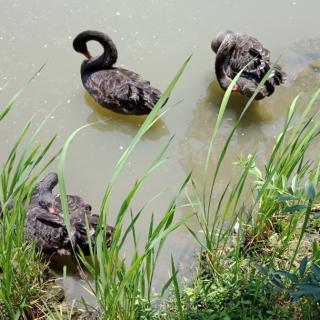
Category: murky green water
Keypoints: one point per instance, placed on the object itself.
(153, 38)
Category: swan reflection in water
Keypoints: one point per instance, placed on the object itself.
(255, 132)
(100, 119)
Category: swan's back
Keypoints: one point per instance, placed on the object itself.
(249, 51)
(121, 90)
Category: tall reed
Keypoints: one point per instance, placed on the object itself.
(118, 283)
(277, 191)
(21, 282)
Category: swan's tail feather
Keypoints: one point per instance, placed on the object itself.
(150, 96)
(277, 76)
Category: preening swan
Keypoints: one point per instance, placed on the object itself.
(117, 89)
(234, 51)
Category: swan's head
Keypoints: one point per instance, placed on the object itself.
(109, 55)
(44, 194)
(46, 202)
(48, 182)
(215, 44)
(80, 43)
(109, 235)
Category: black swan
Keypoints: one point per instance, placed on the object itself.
(45, 223)
(118, 89)
(234, 51)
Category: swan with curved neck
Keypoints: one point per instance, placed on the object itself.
(48, 229)
(118, 89)
(235, 51)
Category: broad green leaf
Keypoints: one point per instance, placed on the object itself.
(303, 266)
(310, 190)
(298, 207)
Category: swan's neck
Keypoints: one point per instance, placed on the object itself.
(221, 73)
(106, 60)
(44, 187)
(223, 59)
(48, 183)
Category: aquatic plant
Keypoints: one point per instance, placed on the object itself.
(22, 274)
(226, 282)
(217, 218)
(119, 284)
(303, 282)
(278, 190)
(267, 229)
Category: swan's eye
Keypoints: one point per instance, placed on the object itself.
(42, 204)
(88, 207)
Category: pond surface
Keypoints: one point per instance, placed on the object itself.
(153, 38)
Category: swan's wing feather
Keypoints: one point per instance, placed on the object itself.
(122, 89)
(74, 203)
(238, 51)
(111, 86)
(52, 220)
(248, 50)
(48, 230)
(93, 220)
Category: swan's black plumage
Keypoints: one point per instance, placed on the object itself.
(45, 222)
(118, 89)
(235, 51)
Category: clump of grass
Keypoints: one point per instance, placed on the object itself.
(121, 286)
(224, 297)
(281, 200)
(280, 186)
(22, 274)
(227, 284)
(271, 227)
(216, 218)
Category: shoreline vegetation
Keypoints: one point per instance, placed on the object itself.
(257, 260)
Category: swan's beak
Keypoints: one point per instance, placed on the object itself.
(235, 89)
(88, 55)
(52, 210)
